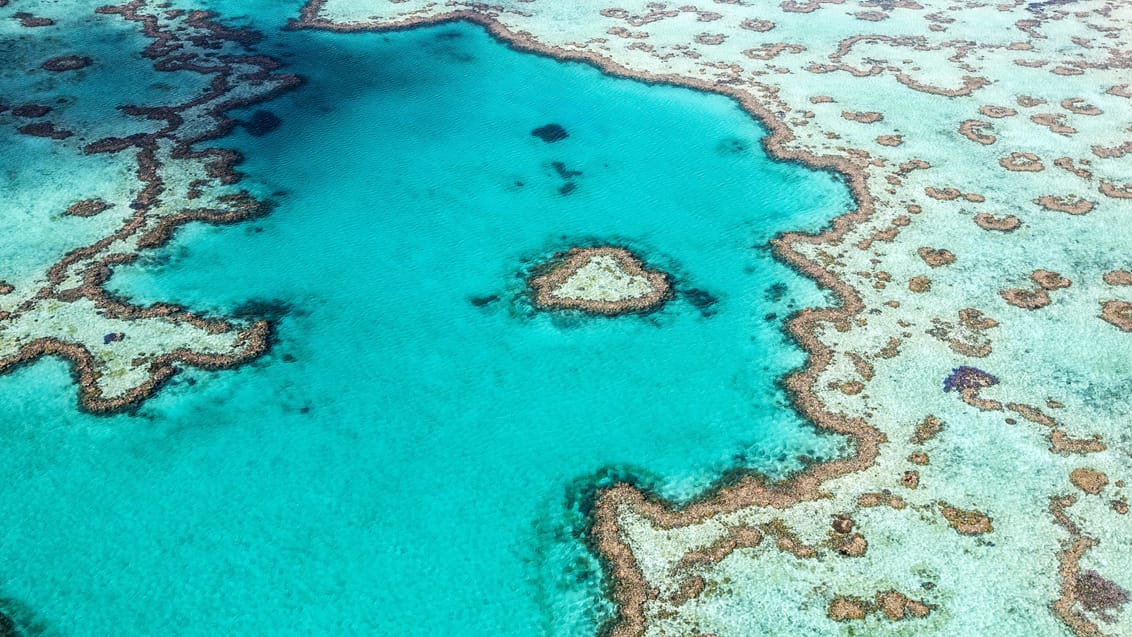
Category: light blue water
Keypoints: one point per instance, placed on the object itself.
(403, 461)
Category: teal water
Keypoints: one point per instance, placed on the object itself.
(405, 461)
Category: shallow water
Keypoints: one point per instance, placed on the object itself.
(406, 460)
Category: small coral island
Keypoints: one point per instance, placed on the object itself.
(600, 280)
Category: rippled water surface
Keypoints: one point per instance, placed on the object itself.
(410, 456)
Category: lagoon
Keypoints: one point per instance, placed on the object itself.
(413, 454)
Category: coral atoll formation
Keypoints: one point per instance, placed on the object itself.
(599, 280)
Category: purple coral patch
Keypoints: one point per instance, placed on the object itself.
(965, 377)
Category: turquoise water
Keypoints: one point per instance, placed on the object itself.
(405, 461)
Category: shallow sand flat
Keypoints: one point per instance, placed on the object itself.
(988, 147)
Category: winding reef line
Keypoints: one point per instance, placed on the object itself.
(630, 589)
(148, 229)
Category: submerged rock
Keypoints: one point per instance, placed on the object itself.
(262, 123)
(550, 133)
(8, 627)
(67, 63)
(702, 300)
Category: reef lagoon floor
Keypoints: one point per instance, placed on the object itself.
(414, 452)
(561, 319)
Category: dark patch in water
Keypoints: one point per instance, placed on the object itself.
(964, 377)
(770, 316)
(31, 110)
(262, 123)
(703, 301)
(1099, 595)
(563, 171)
(550, 133)
(449, 35)
(263, 309)
(776, 292)
(288, 358)
(481, 301)
(7, 626)
(448, 49)
(17, 620)
(567, 188)
(1036, 7)
(732, 146)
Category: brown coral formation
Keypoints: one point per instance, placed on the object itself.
(966, 522)
(1110, 189)
(1025, 299)
(87, 208)
(1118, 277)
(67, 63)
(28, 20)
(881, 498)
(787, 541)
(997, 112)
(1007, 223)
(919, 283)
(1049, 280)
(842, 524)
(892, 604)
(1066, 164)
(910, 479)
(1070, 204)
(843, 609)
(44, 129)
(973, 129)
(1118, 313)
(943, 194)
(1022, 162)
(617, 265)
(869, 117)
(851, 546)
(760, 26)
(710, 39)
(738, 537)
(1062, 444)
(927, 429)
(936, 257)
(1099, 595)
(896, 606)
(31, 110)
(1079, 106)
(1055, 122)
(1088, 480)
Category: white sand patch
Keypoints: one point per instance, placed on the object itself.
(603, 279)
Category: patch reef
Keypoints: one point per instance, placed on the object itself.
(600, 280)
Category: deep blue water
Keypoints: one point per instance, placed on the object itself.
(404, 461)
